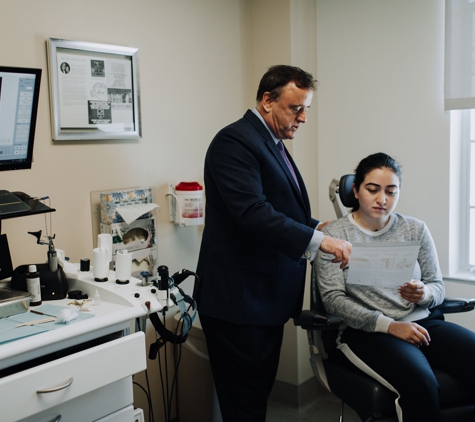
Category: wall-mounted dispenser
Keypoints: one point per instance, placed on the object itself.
(186, 204)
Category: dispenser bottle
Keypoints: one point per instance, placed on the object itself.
(97, 298)
(33, 285)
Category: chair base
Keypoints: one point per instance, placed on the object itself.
(373, 402)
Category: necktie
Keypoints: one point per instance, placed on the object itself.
(280, 145)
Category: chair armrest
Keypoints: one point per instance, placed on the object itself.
(456, 305)
(312, 320)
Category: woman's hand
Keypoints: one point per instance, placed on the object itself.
(410, 332)
(413, 291)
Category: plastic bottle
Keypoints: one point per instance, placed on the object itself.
(33, 285)
(97, 298)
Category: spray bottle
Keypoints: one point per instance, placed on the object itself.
(33, 285)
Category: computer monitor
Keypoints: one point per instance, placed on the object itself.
(19, 95)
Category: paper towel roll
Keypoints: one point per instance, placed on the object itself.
(104, 241)
(100, 264)
(123, 266)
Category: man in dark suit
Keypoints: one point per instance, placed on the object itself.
(258, 237)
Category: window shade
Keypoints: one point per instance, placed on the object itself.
(459, 54)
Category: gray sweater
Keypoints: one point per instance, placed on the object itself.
(372, 308)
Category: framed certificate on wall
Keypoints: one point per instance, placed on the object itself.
(94, 91)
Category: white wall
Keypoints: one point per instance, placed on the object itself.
(380, 64)
(380, 67)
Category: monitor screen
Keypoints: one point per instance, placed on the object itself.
(19, 95)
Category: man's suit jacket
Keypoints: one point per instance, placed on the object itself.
(257, 227)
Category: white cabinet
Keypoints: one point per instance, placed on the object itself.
(90, 385)
(123, 415)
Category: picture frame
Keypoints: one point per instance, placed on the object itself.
(94, 91)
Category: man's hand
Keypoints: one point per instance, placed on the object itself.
(340, 248)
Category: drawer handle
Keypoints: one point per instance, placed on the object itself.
(61, 387)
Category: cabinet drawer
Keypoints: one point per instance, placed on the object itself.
(48, 385)
(124, 415)
(93, 406)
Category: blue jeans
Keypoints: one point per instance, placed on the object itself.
(408, 368)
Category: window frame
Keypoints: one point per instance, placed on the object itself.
(467, 168)
(461, 144)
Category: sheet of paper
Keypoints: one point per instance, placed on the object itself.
(382, 265)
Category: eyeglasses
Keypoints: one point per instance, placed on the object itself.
(299, 109)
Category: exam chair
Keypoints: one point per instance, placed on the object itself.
(366, 396)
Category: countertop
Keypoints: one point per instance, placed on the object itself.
(120, 304)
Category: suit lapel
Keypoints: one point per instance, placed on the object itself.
(301, 193)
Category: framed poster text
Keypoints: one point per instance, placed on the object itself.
(94, 91)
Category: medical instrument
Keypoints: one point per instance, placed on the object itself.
(54, 285)
(168, 289)
(40, 313)
(52, 256)
(39, 321)
(13, 302)
(79, 304)
(145, 275)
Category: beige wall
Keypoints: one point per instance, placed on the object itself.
(194, 79)
(192, 68)
(283, 31)
(199, 66)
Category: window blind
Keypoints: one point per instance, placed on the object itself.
(459, 89)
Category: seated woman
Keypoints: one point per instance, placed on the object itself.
(389, 332)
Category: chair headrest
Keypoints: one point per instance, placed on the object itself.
(345, 190)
